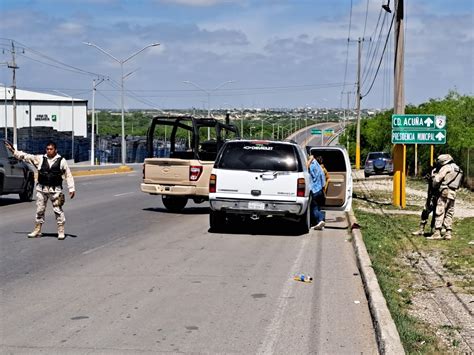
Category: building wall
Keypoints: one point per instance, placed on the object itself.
(57, 115)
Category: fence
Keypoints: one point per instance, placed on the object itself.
(107, 148)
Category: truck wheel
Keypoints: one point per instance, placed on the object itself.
(27, 194)
(216, 221)
(304, 224)
(174, 203)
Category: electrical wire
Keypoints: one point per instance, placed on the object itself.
(347, 54)
(368, 69)
(54, 60)
(380, 62)
(369, 53)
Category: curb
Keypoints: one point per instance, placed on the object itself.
(388, 339)
(105, 171)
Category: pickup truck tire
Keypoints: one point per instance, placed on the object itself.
(304, 224)
(174, 203)
(217, 221)
(27, 194)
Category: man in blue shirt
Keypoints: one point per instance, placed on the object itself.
(318, 181)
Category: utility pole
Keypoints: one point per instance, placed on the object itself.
(399, 150)
(357, 157)
(13, 66)
(345, 121)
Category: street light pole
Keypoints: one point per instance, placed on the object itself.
(208, 92)
(122, 62)
(93, 132)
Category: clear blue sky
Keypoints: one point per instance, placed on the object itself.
(281, 53)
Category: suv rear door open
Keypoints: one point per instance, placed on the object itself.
(339, 191)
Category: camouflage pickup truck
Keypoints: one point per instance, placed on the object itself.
(180, 155)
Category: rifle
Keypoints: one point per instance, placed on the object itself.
(431, 200)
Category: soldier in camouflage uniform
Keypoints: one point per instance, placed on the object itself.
(430, 205)
(51, 169)
(447, 180)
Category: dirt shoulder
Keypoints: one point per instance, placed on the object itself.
(434, 279)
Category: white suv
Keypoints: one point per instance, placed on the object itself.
(260, 178)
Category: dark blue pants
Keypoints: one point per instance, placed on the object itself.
(316, 201)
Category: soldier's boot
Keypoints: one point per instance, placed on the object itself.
(61, 235)
(36, 232)
(448, 235)
(420, 231)
(436, 235)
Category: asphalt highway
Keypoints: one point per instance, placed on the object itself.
(131, 278)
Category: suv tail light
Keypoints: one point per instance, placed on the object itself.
(300, 187)
(195, 172)
(212, 183)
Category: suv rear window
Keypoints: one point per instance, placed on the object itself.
(258, 156)
(378, 155)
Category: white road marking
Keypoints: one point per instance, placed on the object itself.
(272, 333)
(125, 193)
(104, 245)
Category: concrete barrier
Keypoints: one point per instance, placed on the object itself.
(388, 339)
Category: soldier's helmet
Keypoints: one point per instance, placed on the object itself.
(444, 159)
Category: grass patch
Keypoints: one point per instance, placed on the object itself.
(387, 240)
(385, 243)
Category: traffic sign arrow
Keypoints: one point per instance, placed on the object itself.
(429, 122)
(439, 136)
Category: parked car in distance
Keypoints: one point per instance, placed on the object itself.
(16, 177)
(378, 163)
(256, 179)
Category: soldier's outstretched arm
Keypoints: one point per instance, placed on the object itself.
(29, 158)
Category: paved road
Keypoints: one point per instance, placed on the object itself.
(131, 278)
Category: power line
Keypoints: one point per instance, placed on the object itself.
(381, 57)
(38, 53)
(347, 53)
(369, 53)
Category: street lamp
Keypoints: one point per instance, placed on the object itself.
(72, 122)
(208, 92)
(122, 62)
(94, 88)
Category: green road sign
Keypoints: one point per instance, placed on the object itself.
(328, 132)
(418, 121)
(316, 131)
(419, 136)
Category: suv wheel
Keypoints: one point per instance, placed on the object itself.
(174, 203)
(304, 224)
(27, 194)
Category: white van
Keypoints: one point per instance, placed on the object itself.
(257, 179)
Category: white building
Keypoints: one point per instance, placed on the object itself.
(34, 109)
